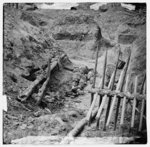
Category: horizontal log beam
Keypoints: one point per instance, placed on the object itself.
(119, 94)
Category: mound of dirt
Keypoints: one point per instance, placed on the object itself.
(27, 48)
(78, 30)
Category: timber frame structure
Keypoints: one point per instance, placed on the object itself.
(108, 97)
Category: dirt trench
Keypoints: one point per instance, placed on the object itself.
(27, 56)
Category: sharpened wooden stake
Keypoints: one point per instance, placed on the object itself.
(92, 106)
(111, 88)
(95, 69)
(104, 100)
(119, 88)
(101, 86)
(141, 91)
(134, 103)
(142, 110)
(124, 106)
(103, 76)
(143, 85)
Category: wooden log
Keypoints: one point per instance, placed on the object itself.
(103, 76)
(119, 88)
(142, 111)
(143, 84)
(79, 127)
(111, 88)
(100, 111)
(101, 86)
(104, 101)
(141, 115)
(44, 86)
(107, 112)
(95, 69)
(102, 83)
(28, 92)
(134, 103)
(119, 94)
(124, 106)
(141, 90)
(92, 106)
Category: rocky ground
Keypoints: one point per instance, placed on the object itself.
(32, 37)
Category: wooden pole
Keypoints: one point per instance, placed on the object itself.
(141, 91)
(134, 103)
(95, 69)
(119, 88)
(104, 100)
(142, 111)
(143, 84)
(101, 86)
(103, 76)
(92, 106)
(81, 125)
(111, 88)
(124, 106)
(119, 94)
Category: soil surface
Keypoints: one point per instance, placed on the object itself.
(32, 37)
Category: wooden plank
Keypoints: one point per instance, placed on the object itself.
(124, 105)
(119, 88)
(142, 111)
(134, 103)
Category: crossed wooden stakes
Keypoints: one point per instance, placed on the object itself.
(110, 98)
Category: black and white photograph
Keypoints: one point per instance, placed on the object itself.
(74, 73)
